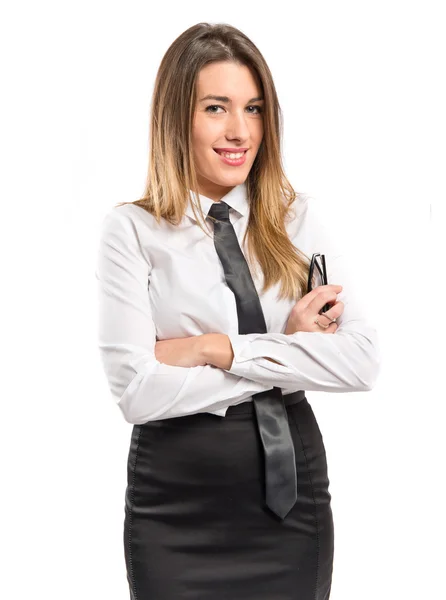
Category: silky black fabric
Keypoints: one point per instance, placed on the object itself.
(272, 422)
(196, 525)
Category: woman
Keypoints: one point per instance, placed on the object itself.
(199, 366)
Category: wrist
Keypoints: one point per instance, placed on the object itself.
(203, 348)
(216, 349)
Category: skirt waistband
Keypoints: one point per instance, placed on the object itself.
(248, 407)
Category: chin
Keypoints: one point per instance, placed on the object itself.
(236, 175)
(231, 181)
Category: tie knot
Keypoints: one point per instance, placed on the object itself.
(220, 211)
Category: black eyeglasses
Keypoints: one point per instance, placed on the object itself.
(318, 260)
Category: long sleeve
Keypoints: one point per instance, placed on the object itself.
(346, 361)
(144, 388)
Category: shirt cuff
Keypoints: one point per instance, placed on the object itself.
(246, 354)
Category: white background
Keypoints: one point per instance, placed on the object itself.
(362, 89)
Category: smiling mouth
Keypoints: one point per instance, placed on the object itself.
(225, 152)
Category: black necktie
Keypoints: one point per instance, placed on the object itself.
(272, 418)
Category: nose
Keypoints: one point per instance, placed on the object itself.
(237, 126)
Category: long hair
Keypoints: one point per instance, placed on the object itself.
(171, 174)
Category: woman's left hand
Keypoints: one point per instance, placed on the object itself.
(181, 352)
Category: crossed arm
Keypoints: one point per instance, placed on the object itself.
(148, 387)
(209, 348)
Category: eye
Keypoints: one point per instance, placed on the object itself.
(212, 106)
(259, 108)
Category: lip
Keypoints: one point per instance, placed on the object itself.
(231, 149)
(237, 162)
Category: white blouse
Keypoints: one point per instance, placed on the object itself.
(158, 282)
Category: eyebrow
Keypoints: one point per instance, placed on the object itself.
(226, 99)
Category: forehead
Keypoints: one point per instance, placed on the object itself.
(227, 79)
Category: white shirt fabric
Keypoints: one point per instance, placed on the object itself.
(158, 282)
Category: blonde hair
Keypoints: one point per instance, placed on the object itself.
(171, 173)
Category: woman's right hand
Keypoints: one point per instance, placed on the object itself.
(304, 312)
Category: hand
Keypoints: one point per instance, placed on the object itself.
(181, 352)
(305, 311)
(217, 350)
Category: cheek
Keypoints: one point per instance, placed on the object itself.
(205, 132)
(197, 133)
(201, 151)
(199, 142)
(257, 133)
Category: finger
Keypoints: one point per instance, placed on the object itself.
(332, 289)
(327, 295)
(322, 325)
(334, 311)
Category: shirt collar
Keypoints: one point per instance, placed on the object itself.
(236, 199)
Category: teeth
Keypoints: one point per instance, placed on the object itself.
(232, 155)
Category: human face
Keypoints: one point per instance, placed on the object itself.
(235, 122)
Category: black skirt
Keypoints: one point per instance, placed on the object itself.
(196, 524)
